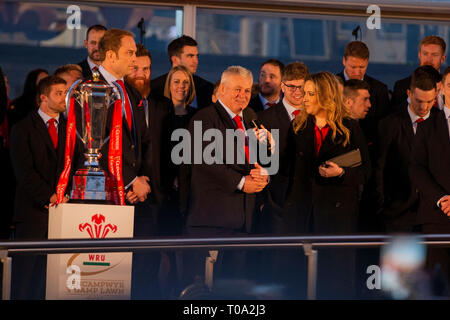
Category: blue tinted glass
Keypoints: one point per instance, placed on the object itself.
(36, 34)
(247, 38)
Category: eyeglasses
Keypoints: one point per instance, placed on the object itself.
(292, 88)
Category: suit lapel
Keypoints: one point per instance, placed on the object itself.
(224, 116)
(42, 129)
(406, 127)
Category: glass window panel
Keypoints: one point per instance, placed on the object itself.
(249, 38)
(35, 34)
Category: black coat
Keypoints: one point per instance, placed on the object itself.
(159, 108)
(256, 104)
(331, 204)
(37, 167)
(396, 194)
(276, 117)
(203, 89)
(86, 69)
(430, 169)
(215, 200)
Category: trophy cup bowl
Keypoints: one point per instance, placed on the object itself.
(90, 183)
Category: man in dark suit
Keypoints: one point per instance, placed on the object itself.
(430, 173)
(280, 117)
(397, 195)
(118, 53)
(156, 109)
(92, 61)
(183, 51)
(278, 217)
(432, 53)
(355, 61)
(148, 214)
(37, 154)
(269, 86)
(229, 186)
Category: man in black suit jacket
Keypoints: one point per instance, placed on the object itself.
(118, 62)
(276, 217)
(397, 195)
(430, 172)
(93, 36)
(269, 86)
(432, 53)
(356, 60)
(183, 51)
(280, 117)
(223, 193)
(137, 156)
(156, 108)
(37, 154)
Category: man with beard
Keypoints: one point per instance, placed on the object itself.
(269, 86)
(155, 109)
(37, 154)
(93, 61)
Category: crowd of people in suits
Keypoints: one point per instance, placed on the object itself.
(401, 183)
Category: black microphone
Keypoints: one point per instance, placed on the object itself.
(355, 32)
(251, 116)
(141, 28)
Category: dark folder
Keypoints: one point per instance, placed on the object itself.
(349, 160)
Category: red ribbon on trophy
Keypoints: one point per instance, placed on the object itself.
(115, 155)
(70, 145)
(115, 180)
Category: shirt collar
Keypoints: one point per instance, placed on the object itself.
(414, 116)
(348, 78)
(290, 109)
(108, 76)
(91, 63)
(46, 117)
(230, 113)
(447, 112)
(264, 101)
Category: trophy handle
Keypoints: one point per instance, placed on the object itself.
(122, 97)
(69, 95)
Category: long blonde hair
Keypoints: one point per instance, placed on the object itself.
(330, 99)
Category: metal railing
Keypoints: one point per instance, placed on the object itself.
(310, 245)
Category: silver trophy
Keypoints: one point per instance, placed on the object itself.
(94, 97)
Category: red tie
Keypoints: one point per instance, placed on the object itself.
(52, 132)
(296, 113)
(239, 125)
(420, 120)
(270, 104)
(95, 69)
(127, 104)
